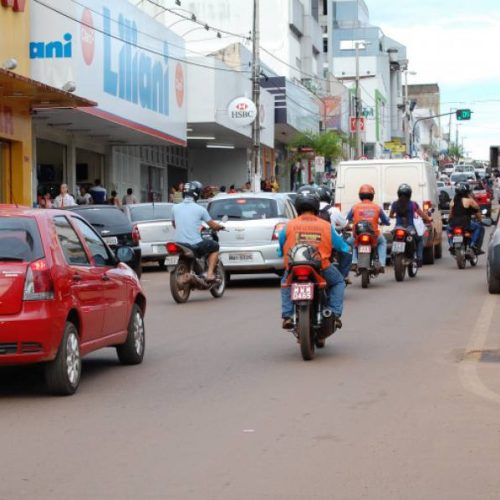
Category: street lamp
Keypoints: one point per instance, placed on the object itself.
(407, 111)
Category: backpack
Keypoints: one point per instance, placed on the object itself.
(324, 213)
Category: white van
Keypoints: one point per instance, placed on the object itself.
(386, 176)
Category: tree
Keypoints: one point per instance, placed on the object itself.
(329, 144)
(455, 151)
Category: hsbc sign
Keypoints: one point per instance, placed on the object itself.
(242, 111)
(16, 5)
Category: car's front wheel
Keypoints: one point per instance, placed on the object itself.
(62, 375)
(132, 351)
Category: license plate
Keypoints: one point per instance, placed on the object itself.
(365, 249)
(171, 260)
(398, 246)
(458, 239)
(240, 257)
(111, 240)
(302, 292)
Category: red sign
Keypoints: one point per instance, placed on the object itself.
(87, 37)
(361, 124)
(17, 5)
(179, 85)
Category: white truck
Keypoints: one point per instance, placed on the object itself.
(386, 176)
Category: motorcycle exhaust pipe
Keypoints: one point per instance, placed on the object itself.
(327, 313)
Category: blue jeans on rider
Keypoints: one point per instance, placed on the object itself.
(336, 287)
(345, 263)
(477, 234)
(381, 249)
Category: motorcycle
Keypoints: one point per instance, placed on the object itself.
(188, 272)
(314, 320)
(461, 246)
(404, 253)
(365, 243)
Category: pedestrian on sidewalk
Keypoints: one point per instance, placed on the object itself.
(99, 193)
(64, 199)
(115, 200)
(129, 198)
(84, 198)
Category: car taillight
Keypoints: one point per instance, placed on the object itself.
(427, 205)
(38, 284)
(457, 230)
(136, 235)
(365, 238)
(400, 233)
(277, 230)
(302, 273)
(172, 248)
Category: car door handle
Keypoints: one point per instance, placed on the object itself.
(105, 277)
(76, 278)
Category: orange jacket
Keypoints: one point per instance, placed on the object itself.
(309, 230)
(366, 210)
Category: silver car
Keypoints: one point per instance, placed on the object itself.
(153, 221)
(250, 243)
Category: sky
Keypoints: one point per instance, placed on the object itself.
(455, 43)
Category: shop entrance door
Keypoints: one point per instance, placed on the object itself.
(151, 183)
(51, 167)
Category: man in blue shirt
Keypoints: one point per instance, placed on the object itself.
(188, 218)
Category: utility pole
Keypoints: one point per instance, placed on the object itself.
(359, 151)
(256, 166)
(407, 116)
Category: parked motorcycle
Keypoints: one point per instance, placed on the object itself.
(314, 320)
(365, 243)
(188, 271)
(404, 253)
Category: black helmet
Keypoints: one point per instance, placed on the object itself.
(307, 200)
(325, 194)
(405, 190)
(192, 190)
(462, 188)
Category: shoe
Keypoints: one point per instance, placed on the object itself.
(347, 281)
(287, 324)
(419, 263)
(338, 323)
(452, 250)
(354, 268)
(381, 270)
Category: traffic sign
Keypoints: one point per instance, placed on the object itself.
(361, 124)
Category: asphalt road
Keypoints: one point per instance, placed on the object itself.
(403, 403)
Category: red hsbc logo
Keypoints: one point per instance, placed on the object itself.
(16, 5)
(242, 106)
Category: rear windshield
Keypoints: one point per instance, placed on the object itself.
(460, 177)
(106, 219)
(19, 239)
(150, 212)
(244, 208)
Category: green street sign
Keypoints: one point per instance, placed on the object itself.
(464, 114)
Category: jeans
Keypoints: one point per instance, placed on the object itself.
(345, 262)
(336, 287)
(477, 234)
(381, 249)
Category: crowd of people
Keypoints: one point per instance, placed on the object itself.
(95, 195)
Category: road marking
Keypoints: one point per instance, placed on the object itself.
(467, 369)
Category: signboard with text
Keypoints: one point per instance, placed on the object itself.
(361, 124)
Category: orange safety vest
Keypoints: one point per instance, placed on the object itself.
(309, 230)
(366, 210)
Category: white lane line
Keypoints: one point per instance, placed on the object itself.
(467, 369)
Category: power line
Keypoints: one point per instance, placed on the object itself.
(146, 49)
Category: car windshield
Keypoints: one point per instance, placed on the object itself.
(106, 219)
(459, 177)
(19, 239)
(244, 208)
(150, 212)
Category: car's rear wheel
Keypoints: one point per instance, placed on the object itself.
(429, 255)
(132, 351)
(62, 375)
(438, 251)
(138, 270)
(493, 283)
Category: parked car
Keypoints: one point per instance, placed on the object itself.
(250, 243)
(115, 228)
(153, 222)
(386, 176)
(64, 294)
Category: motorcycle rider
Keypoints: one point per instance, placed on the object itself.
(366, 210)
(462, 208)
(404, 210)
(310, 229)
(187, 218)
(333, 215)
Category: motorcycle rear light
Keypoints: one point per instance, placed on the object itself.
(136, 235)
(400, 233)
(172, 248)
(365, 238)
(302, 273)
(38, 284)
(277, 230)
(457, 230)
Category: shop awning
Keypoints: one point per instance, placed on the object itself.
(19, 89)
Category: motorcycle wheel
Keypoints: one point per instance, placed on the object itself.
(412, 269)
(179, 293)
(365, 278)
(304, 331)
(399, 267)
(218, 291)
(460, 256)
(320, 343)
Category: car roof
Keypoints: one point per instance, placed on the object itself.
(149, 204)
(262, 194)
(20, 210)
(77, 208)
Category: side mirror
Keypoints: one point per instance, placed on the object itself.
(125, 254)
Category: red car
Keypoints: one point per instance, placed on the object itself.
(63, 294)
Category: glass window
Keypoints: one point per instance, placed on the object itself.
(244, 208)
(150, 212)
(70, 243)
(20, 239)
(95, 244)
